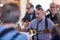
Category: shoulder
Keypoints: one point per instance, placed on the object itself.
(22, 36)
(50, 23)
(49, 20)
(2, 28)
(34, 21)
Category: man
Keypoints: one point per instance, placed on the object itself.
(30, 14)
(56, 35)
(10, 16)
(42, 25)
(53, 12)
(53, 15)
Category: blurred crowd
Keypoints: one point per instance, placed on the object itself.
(38, 24)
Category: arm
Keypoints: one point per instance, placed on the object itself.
(22, 37)
(25, 18)
(50, 25)
(29, 26)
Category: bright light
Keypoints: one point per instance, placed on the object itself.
(1, 5)
(44, 3)
(57, 1)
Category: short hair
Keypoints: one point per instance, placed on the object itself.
(31, 5)
(39, 7)
(11, 13)
(52, 3)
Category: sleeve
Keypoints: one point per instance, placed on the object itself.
(50, 24)
(22, 37)
(25, 17)
(47, 16)
(55, 37)
(29, 26)
(27, 34)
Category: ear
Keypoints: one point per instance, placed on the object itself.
(44, 13)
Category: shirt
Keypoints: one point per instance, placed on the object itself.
(29, 17)
(41, 26)
(9, 35)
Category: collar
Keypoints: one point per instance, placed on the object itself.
(41, 21)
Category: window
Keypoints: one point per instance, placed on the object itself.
(44, 3)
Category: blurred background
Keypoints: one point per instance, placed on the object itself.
(22, 4)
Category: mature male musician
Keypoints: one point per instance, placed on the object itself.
(53, 13)
(41, 24)
(30, 13)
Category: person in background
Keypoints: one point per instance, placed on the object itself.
(30, 13)
(0, 13)
(54, 30)
(56, 36)
(41, 24)
(10, 16)
(58, 8)
(53, 12)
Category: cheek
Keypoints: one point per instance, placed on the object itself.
(38, 16)
(52, 9)
(29, 11)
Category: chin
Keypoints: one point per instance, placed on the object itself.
(38, 19)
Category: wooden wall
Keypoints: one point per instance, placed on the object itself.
(13, 1)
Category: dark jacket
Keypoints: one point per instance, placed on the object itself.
(29, 17)
(56, 37)
(54, 19)
(11, 34)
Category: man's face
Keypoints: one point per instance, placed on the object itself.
(29, 9)
(53, 8)
(39, 14)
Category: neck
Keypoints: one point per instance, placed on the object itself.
(40, 19)
(53, 15)
(8, 25)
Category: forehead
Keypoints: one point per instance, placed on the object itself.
(38, 10)
(52, 5)
(28, 5)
